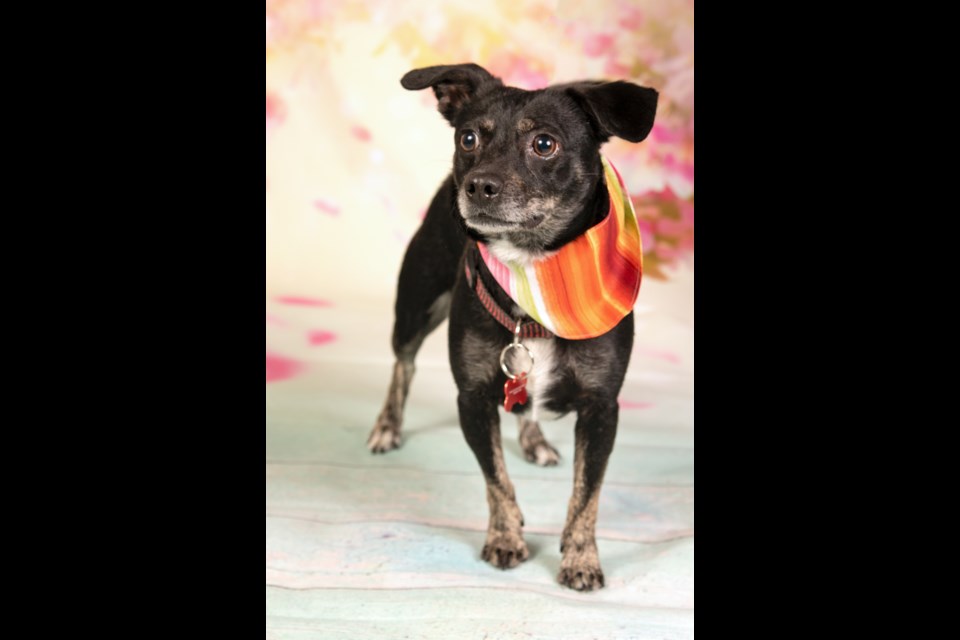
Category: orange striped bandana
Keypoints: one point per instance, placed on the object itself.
(587, 287)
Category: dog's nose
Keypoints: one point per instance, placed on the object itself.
(485, 186)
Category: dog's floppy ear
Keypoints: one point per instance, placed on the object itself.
(618, 108)
(453, 84)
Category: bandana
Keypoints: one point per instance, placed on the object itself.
(587, 287)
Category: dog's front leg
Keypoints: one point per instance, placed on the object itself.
(505, 547)
(595, 432)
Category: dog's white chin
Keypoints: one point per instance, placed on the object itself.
(505, 251)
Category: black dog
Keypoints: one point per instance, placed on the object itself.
(527, 179)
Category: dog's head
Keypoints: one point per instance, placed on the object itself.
(527, 163)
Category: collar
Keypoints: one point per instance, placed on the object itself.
(590, 284)
(529, 329)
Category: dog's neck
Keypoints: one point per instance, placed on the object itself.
(523, 247)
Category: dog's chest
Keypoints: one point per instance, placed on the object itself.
(548, 368)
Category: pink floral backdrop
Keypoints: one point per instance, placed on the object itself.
(353, 159)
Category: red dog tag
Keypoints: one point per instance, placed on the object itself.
(515, 391)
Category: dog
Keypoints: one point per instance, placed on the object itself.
(528, 185)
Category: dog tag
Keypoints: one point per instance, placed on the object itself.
(515, 391)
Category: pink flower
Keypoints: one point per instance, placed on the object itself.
(276, 110)
(666, 229)
(326, 207)
(360, 133)
(281, 368)
(631, 17)
(518, 71)
(303, 301)
(598, 44)
(319, 337)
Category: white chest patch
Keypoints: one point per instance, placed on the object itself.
(541, 377)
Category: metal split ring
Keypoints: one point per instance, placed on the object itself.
(516, 344)
(503, 359)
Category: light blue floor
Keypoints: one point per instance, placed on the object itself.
(362, 546)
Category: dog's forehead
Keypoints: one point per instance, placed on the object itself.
(524, 110)
(553, 106)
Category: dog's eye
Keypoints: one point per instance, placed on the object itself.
(468, 140)
(544, 145)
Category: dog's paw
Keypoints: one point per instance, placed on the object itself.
(587, 579)
(581, 570)
(535, 447)
(542, 454)
(505, 550)
(384, 437)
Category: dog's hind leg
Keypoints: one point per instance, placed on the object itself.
(535, 447)
(423, 302)
(408, 336)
